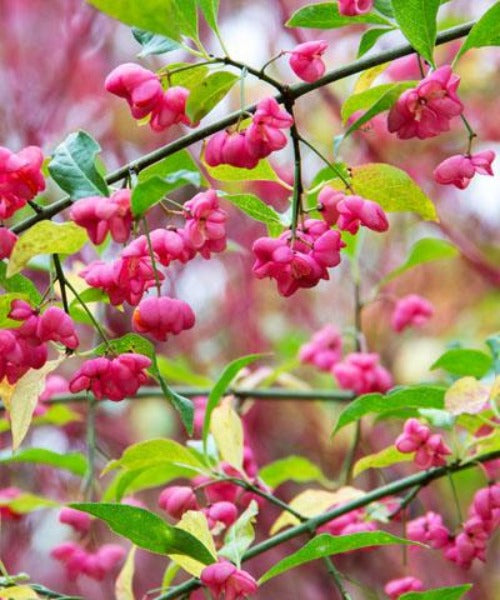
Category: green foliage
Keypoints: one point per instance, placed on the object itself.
(254, 207)
(385, 7)
(385, 458)
(327, 545)
(486, 32)
(419, 396)
(45, 237)
(147, 530)
(240, 535)
(446, 593)
(370, 38)
(5, 306)
(374, 100)
(152, 43)
(74, 462)
(172, 18)
(157, 452)
(188, 75)
(291, 468)
(210, 8)
(18, 284)
(417, 20)
(208, 93)
(325, 15)
(73, 167)
(220, 387)
(424, 251)
(27, 503)
(179, 371)
(390, 187)
(462, 361)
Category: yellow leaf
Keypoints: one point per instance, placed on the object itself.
(495, 391)
(466, 395)
(18, 592)
(367, 77)
(227, 429)
(45, 237)
(124, 582)
(195, 522)
(311, 503)
(25, 397)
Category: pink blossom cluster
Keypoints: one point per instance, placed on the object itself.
(300, 260)
(483, 521)
(352, 8)
(25, 347)
(226, 581)
(263, 136)
(397, 587)
(127, 278)
(430, 449)
(143, 91)
(411, 311)
(458, 170)
(429, 530)
(96, 565)
(306, 62)
(114, 378)
(100, 215)
(362, 373)
(21, 178)
(324, 348)
(426, 111)
(352, 522)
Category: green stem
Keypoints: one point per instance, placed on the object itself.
(152, 256)
(455, 498)
(90, 315)
(62, 281)
(91, 449)
(332, 166)
(337, 576)
(422, 479)
(470, 132)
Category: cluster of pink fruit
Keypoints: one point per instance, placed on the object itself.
(79, 561)
(430, 449)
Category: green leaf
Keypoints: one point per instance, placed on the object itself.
(73, 167)
(325, 15)
(327, 545)
(179, 371)
(371, 96)
(423, 251)
(461, 361)
(376, 100)
(57, 414)
(385, 7)
(370, 38)
(188, 78)
(221, 385)
(158, 16)
(184, 406)
(152, 43)
(390, 187)
(26, 503)
(385, 458)
(187, 17)
(45, 237)
(125, 580)
(262, 172)
(446, 593)
(210, 8)
(437, 417)
(153, 453)
(254, 207)
(195, 523)
(74, 462)
(147, 530)
(241, 535)
(151, 191)
(291, 468)
(168, 167)
(208, 93)
(19, 284)
(417, 20)
(420, 396)
(486, 32)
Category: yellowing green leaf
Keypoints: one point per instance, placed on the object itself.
(310, 503)
(26, 503)
(195, 523)
(19, 592)
(45, 237)
(467, 395)
(262, 172)
(385, 458)
(124, 582)
(227, 429)
(25, 397)
(367, 77)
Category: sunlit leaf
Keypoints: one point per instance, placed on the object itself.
(463, 361)
(467, 395)
(74, 462)
(195, 523)
(208, 93)
(124, 582)
(291, 468)
(227, 429)
(486, 32)
(446, 593)
(417, 20)
(325, 15)
(385, 458)
(240, 535)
